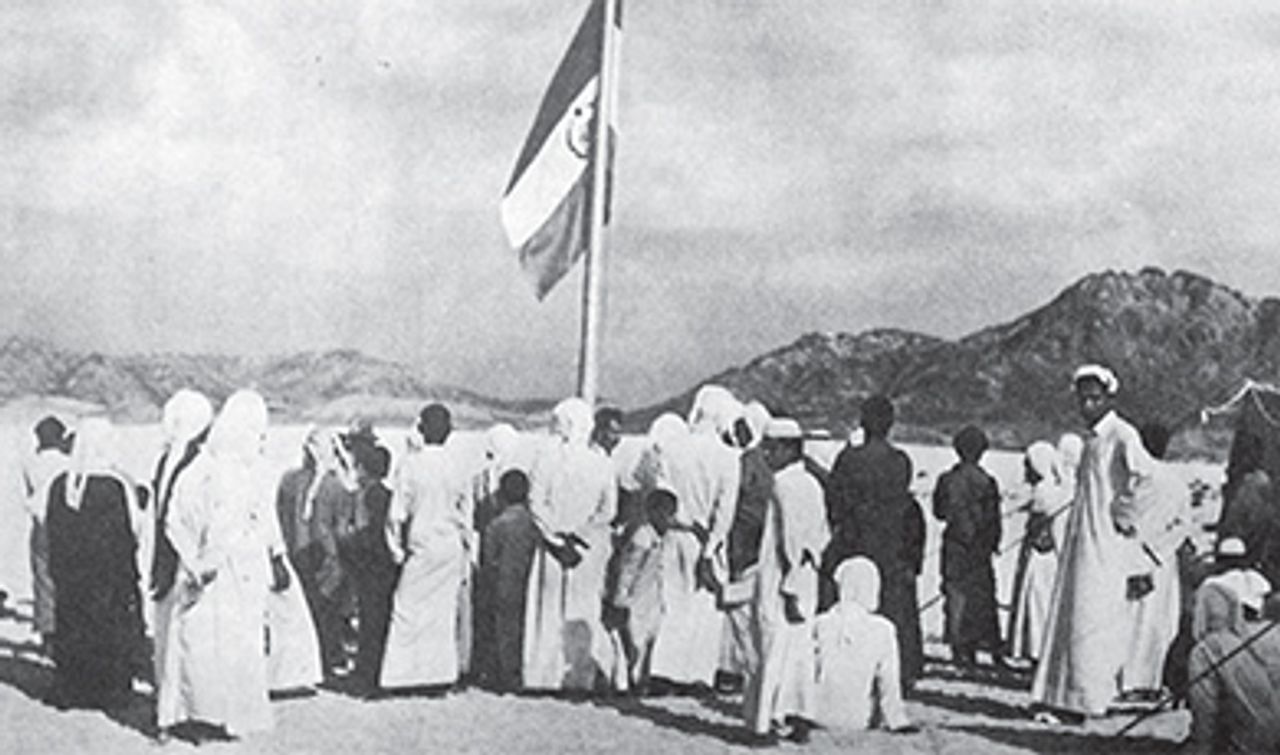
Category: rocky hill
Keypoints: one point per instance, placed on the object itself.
(1178, 341)
(331, 386)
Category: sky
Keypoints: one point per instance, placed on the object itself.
(269, 176)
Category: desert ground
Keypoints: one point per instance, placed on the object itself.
(979, 712)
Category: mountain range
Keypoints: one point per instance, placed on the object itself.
(1179, 341)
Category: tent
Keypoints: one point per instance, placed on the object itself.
(1256, 407)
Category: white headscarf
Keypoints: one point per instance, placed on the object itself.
(501, 445)
(711, 406)
(1044, 459)
(572, 421)
(186, 414)
(757, 416)
(324, 445)
(858, 583)
(95, 439)
(240, 428)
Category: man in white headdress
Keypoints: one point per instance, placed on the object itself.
(780, 691)
(738, 656)
(313, 503)
(704, 475)
(223, 527)
(92, 548)
(573, 499)
(428, 528)
(1086, 634)
(184, 424)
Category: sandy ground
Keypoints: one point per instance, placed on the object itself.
(958, 714)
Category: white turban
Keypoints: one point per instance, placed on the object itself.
(1103, 375)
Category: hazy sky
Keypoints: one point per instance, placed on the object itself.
(272, 175)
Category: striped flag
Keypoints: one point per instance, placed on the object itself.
(547, 205)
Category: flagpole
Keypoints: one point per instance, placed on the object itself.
(593, 264)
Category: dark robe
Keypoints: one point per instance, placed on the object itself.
(506, 555)
(755, 487)
(364, 550)
(872, 513)
(91, 560)
(967, 500)
(313, 550)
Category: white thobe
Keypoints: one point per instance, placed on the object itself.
(858, 682)
(704, 476)
(221, 518)
(1087, 631)
(1163, 513)
(795, 535)
(573, 489)
(430, 511)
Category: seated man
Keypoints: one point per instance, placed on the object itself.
(1235, 666)
(858, 656)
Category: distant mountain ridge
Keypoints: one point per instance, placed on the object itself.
(329, 386)
(1179, 341)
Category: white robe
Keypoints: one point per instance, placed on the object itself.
(220, 518)
(704, 475)
(1087, 631)
(1031, 604)
(573, 489)
(857, 670)
(431, 504)
(1163, 512)
(293, 649)
(795, 535)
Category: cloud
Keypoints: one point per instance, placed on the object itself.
(273, 176)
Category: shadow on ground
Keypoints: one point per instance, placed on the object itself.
(22, 669)
(1057, 740)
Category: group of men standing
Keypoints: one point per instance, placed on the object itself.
(711, 550)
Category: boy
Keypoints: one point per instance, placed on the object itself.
(634, 604)
(968, 500)
(506, 554)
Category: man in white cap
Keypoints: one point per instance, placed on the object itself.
(1086, 634)
(780, 692)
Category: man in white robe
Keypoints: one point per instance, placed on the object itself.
(573, 499)
(704, 474)
(223, 527)
(428, 530)
(1162, 513)
(857, 669)
(780, 692)
(1087, 633)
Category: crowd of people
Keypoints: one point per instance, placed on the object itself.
(710, 555)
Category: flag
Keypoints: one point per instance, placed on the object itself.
(546, 209)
